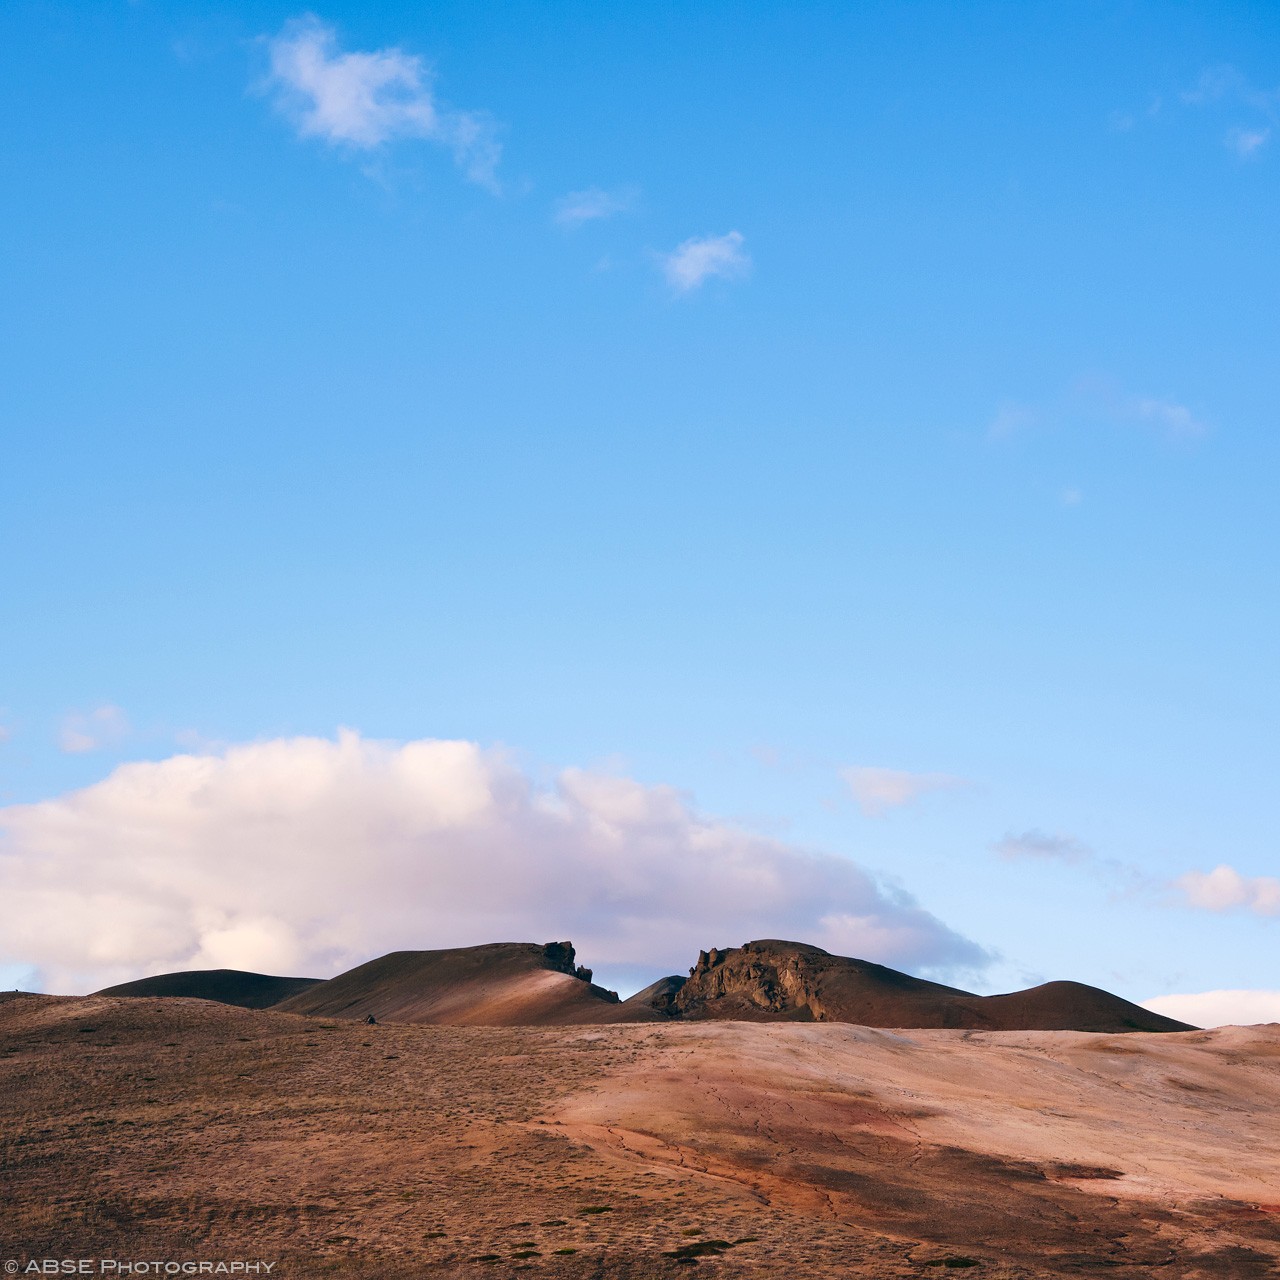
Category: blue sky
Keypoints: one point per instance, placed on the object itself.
(861, 419)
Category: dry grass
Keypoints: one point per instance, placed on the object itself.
(183, 1129)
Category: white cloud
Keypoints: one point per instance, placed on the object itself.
(1071, 496)
(1173, 419)
(876, 791)
(1011, 418)
(1247, 142)
(1227, 86)
(1219, 1008)
(588, 206)
(1228, 82)
(1101, 398)
(308, 855)
(699, 259)
(1039, 844)
(364, 100)
(106, 726)
(1225, 889)
(1215, 83)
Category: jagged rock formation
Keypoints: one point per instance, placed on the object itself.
(781, 979)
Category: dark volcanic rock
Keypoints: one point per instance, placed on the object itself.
(657, 997)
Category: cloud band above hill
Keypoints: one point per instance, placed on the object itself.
(305, 855)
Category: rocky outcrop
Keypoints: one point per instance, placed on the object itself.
(772, 980)
(780, 979)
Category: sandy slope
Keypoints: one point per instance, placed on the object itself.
(1007, 1130)
(497, 985)
(190, 1129)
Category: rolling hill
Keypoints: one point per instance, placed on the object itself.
(226, 986)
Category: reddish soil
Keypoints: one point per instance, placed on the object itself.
(183, 1129)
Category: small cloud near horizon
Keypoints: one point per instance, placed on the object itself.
(702, 258)
(591, 205)
(81, 732)
(363, 100)
(876, 791)
(1225, 889)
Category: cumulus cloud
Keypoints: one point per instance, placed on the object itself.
(364, 100)
(876, 791)
(81, 731)
(590, 205)
(1219, 1008)
(1039, 844)
(700, 258)
(1225, 889)
(308, 855)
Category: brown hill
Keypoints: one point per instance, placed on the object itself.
(170, 1128)
(523, 984)
(503, 984)
(226, 986)
(772, 980)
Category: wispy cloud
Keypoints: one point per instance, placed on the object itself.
(700, 258)
(363, 100)
(1124, 121)
(1098, 399)
(1227, 82)
(1239, 1008)
(1174, 420)
(1246, 143)
(1010, 419)
(876, 791)
(1039, 844)
(1225, 889)
(82, 731)
(307, 855)
(1228, 87)
(591, 205)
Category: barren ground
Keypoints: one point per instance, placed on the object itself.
(180, 1129)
